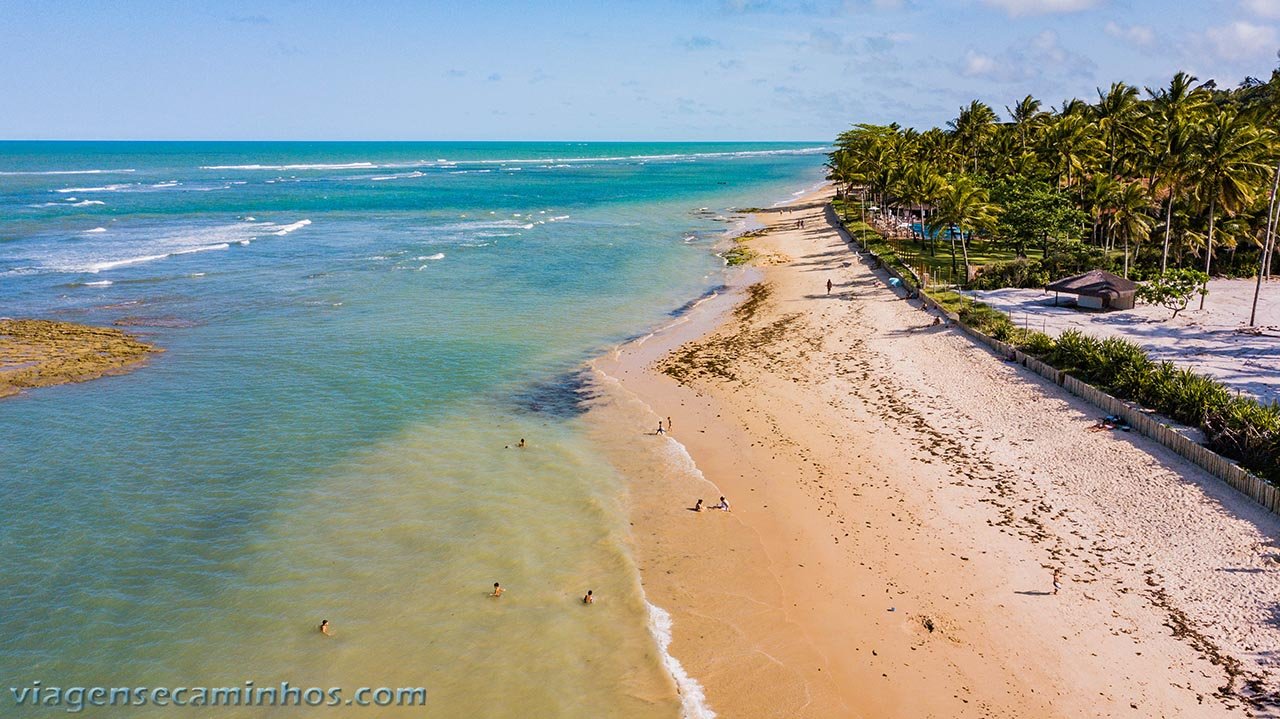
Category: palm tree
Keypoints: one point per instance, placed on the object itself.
(962, 204)
(1229, 156)
(1128, 217)
(1171, 174)
(1173, 113)
(1026, 116)
(1073, 146)
(972, 127)
(1115, 113)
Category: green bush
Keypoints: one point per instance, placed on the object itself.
(1022, 272)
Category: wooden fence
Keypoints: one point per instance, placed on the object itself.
(1143, 421)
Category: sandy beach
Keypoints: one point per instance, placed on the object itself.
(900, 500)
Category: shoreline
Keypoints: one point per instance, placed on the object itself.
(890, 551)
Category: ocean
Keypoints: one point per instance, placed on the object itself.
(356, 337)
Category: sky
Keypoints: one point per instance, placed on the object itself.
(767, 70)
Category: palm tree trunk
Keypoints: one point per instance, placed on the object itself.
(964, 247)
(1168, 226)
(1208, 250)
(953, 252)
(1264, 253)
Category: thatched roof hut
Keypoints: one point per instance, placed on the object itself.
(1097, 289)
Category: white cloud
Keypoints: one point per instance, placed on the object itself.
(978, 65)
(1041, 7)
(1263, 8)
(1241, 41)
(1139, 35)
(1041, 55)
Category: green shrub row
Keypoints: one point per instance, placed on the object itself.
(1236, 426)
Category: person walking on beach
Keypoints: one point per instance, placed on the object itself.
(668, 424)
(589, 598)
(828, 286)
(1057, 580)
(497, 590)
(660, 430)
(324, 628)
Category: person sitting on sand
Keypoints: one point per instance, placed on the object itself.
(520, 444)
(324, 628)
(724, 504)
(497, 590)
(589, 598)
(698, 507)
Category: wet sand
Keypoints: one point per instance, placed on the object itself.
(42, 353)
(900, 500)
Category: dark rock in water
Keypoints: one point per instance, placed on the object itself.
(564, 396)
(153, 322)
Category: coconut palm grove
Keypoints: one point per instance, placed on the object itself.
(1140, 182)
(1166, 186)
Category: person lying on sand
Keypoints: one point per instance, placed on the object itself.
(324, 628)
(497, 590)
(589, 598)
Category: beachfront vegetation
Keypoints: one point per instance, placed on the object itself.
(1137, 182)
(1174, 289)
(1235, 426)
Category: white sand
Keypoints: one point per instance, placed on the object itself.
(1204, 340)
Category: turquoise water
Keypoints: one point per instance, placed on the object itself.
(353, 332)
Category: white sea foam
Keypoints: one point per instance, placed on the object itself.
(104, 188)
(281, 168)
(97, 267)
(291, 227)
(65, 172)
(250, 219)
(397, 176)
(436, 256)
(87, 203)
(170, 183)
(693, 700)
(95, 230)
(99, 283)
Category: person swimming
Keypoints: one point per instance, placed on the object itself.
(589, 598)
(324, 628)
(497, 590)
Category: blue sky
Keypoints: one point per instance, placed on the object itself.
(716, 70)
